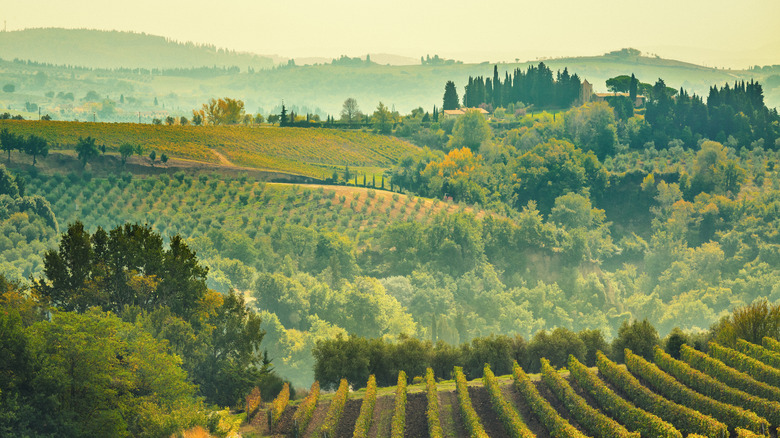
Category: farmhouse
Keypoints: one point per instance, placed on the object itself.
(461, 111)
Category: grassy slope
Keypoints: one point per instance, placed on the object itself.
(312, 152)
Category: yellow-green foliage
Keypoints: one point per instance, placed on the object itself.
(470, 417)
(683, 418)
(253, 401)
(704, 384)
(591, 419)
(667, 386)
(328, 428)
(728, 375)
(547, 415)
(767, 356)
(509, 416)
(432, 412)
(742, 433)
(305, 410)
(279, 404)
(363, 422)
(622, 410)
(399, 415)
(754, 367)
(296, 150)
(771, 344)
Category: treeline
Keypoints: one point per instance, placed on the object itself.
(533, 86)
(355, 358)
(736, 115)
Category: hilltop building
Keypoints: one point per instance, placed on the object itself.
(461, 111)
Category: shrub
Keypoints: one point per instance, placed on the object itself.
(470, 417)
(306, 408)
(432, 412)
(253, 402)
(335, 410)
(279, 404)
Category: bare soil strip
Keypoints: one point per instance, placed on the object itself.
(416, 418)
(383, 417)
(317, 418)
(346, 426)
(451, 420)
(513, 397)
(562, 411)
(480, 400)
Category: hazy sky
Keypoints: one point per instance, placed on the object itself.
(710, 32)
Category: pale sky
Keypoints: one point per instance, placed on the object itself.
(709, 32)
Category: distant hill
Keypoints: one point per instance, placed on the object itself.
(114, 49)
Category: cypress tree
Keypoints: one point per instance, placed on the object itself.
(450, 101)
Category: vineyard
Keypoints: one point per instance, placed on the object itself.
(181, 204)
(697, 395)
(311, 152)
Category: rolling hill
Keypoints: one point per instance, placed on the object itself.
(115, 49)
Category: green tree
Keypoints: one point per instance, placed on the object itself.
(470, 130)
(450, 100)
(152, 156)
(225, 111)
(36, 146)
(638, 336)
(350, 111)
(10, 142)
(383, 119)
(87, 150)
(126, 150)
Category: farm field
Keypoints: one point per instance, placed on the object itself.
(310, 152)
(728, 392)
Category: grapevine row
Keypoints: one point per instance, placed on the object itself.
(470, 417)
(759, 370)
(509, 416)
(758, 352)
(305, 410)
(669, 387)
(771, 344)
(328, 428)
(434, 423)
(399, 415)
(555, 424)
(279, 404)
(708, 386)
(649, 425)
(591, 419)
(683, 418)
(363, 422)
(728, 375)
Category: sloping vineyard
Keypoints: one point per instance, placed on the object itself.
(698, 395)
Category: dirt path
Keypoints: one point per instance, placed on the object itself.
(514, 398)
(449, 415)
(383, 417)
(346, 426)
(222, 159)
(317, 418)
(480, 400)
(416, 419)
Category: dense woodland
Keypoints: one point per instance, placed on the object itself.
(515, 235)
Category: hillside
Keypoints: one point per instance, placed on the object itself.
(723, 393)
(115, 49)
(317, 89)
(311, 152)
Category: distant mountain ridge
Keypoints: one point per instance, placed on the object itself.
(118, 49)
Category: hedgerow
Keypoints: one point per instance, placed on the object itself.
(399, 414)
(470, 417)
(555, 424)
(685, 419)
(509, 416)
(622, 410)
(328, 428)
(591, 419)
(726, 374)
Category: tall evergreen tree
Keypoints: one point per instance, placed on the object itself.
(450, 96)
